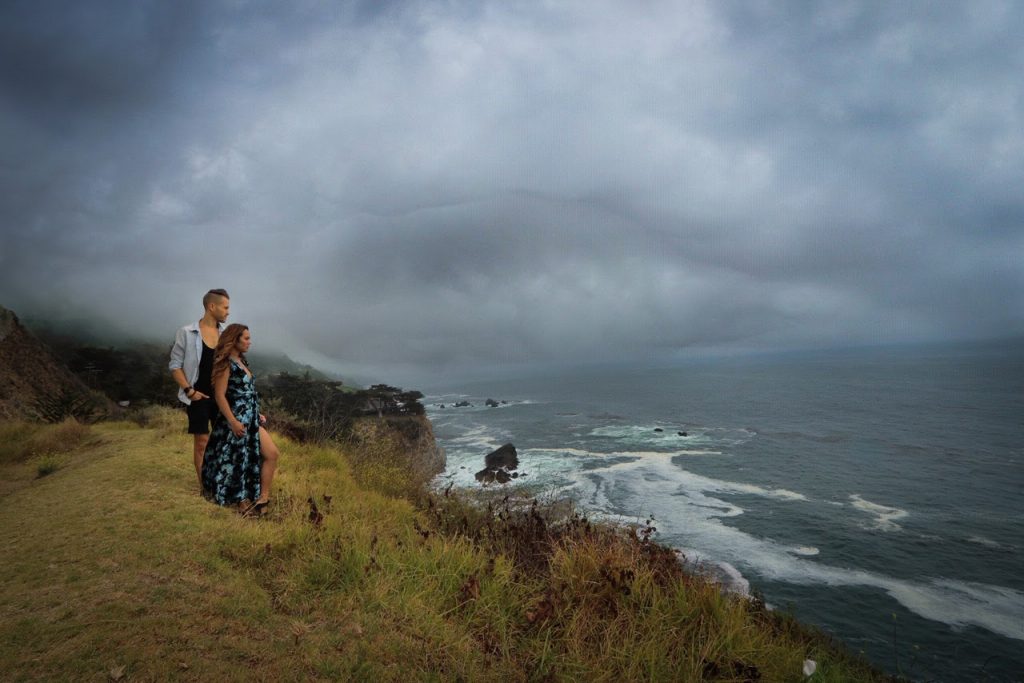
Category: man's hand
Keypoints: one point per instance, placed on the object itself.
(263, 419)
(197, 396)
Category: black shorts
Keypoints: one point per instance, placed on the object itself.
(201, 415)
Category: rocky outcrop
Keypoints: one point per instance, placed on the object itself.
(506, 457)
(499, 465)
(35, 384)
(406, 442)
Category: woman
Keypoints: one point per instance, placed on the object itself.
(240, 457)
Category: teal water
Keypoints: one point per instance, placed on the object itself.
(877, 494)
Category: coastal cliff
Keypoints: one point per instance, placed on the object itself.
(345, 583)
(397, 454)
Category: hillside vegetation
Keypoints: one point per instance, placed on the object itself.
(115, 569)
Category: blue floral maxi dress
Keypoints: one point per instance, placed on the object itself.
(231, 464)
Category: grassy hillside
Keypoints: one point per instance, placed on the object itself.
(115, 569)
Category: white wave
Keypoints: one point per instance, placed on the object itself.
(638, 432)
(959, 603)
(563, 451)
(989, 543)
(695, 482)
(781, 494)
(885, 516)
(443, 398)
(735, 581)
(730, 435)
(686, 512)
(580, 453)
(478, 434)
(510, 403)
(804, 550)
(645, 435)
(724, 574)
(648, 454)
(477, 404)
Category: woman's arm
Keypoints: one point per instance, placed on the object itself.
(220, 390)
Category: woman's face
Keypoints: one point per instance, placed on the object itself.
(244, 342)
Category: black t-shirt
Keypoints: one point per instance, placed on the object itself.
(204, 382)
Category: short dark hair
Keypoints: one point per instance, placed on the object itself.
(213, 294)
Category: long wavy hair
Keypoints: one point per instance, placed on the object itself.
(222, 355)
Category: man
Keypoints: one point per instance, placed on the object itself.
(191, 367)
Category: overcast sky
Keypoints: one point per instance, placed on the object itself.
(415, 188)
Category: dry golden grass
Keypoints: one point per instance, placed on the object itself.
(20, 441)
(114, 567)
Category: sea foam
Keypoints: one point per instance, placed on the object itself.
(885, 516)
(686, 515)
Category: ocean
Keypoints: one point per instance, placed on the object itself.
(878, 494)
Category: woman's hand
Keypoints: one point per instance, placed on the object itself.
(263, 419)
(238, 429)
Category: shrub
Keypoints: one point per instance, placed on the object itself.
(15, 439)
(60, 438)
(47, 465)
(20, 441)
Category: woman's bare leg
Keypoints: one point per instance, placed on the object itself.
(269, 451)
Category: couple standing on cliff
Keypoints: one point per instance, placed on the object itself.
(234, 454)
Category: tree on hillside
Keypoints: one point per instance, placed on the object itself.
(325, 410)
(384, 399)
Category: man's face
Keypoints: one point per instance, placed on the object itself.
(219, 308)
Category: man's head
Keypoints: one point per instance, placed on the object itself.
(217, 303)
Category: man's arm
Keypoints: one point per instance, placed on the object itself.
(178, 358)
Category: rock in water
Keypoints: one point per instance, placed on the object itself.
(505, 456)
(498, 465)
(491, 403)
(658, 429)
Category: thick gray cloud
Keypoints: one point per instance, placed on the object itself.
(411, 188)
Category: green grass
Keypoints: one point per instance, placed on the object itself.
(113, 561)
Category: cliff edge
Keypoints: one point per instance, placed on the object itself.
(395, 453)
